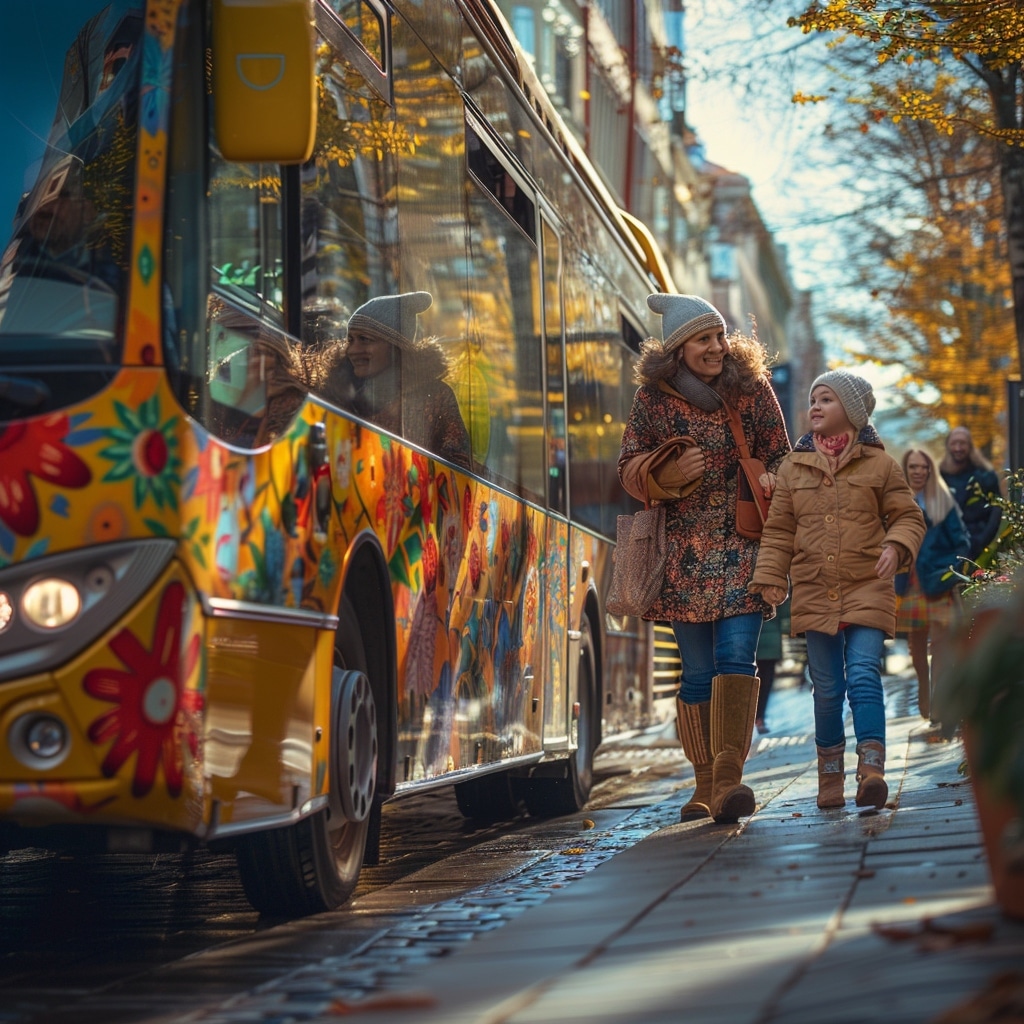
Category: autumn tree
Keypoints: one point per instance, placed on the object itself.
(980, 41)
(925, 239)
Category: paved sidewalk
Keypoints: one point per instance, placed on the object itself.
(797, 915)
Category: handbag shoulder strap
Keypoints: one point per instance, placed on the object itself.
(736, 425)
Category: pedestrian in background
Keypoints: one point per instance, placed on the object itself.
(688, 379)
(927, 600)
(842, 522)
(769, 654)
(965, 470)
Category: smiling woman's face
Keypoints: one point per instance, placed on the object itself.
(368, 354)
(703, 353)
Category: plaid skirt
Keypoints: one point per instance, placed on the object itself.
(915, 610)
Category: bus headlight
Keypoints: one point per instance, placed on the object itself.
(51, 603)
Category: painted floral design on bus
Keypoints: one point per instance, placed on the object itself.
(144, 450)
(37, 448)
(155, 713)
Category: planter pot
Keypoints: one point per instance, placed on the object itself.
(995, 813)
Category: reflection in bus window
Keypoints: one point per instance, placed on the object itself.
(245, 228)
(388, 375)
(505, 370)
(365, 24)
(348, 194)
(254, 379)
(67, 133)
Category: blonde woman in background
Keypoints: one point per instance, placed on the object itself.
(927, 598)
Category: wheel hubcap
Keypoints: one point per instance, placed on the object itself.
(353, 747)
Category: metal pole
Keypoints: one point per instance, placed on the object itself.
(1015, 423)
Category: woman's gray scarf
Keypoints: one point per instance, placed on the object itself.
(695, 391)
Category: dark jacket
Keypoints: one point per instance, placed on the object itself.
(943, 545)
(981, 519)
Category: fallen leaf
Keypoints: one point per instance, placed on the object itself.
(396, 1001)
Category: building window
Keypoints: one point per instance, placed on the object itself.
(551, 34)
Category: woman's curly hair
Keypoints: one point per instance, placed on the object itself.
(744, 368)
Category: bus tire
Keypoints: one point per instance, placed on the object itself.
(314, 865)
(488, 798)
(563, 787)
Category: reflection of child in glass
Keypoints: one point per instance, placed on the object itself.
(381, 371)
(254, 371)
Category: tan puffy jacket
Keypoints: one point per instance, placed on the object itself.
(825, 532)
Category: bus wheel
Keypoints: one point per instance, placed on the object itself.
(314, 865)
(563, 787)
(489, 798)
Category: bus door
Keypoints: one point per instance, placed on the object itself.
(557, 684)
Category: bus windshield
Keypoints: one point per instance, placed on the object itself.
(68, 134)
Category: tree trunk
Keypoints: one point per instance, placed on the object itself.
(1004, 85)
(1012, 172)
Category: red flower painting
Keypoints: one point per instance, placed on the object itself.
(153, 711)
(35, 449)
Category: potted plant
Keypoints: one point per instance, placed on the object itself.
(981, 691)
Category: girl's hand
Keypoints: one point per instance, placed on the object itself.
(691, 464)
(775, 595)
(887, 564)
(767, 481)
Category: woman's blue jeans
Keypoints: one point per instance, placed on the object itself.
(848, 664)
(709, 649)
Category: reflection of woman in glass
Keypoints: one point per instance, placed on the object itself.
(381, 371)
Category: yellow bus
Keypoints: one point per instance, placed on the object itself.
(237, 607)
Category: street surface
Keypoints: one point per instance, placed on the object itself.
(171, 938)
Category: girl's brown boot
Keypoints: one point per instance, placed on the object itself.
(871, 788)
(830, 776)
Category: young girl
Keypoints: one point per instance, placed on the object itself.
(842, 522)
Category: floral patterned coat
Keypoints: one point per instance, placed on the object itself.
(709, 563)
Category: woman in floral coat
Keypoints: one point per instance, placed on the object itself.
(688, 381)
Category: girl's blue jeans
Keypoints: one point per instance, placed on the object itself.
(709, 649)
(848, 664)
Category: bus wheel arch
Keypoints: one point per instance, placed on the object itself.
(313, 865)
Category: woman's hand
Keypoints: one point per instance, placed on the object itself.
(888, 562)
(691, 464)
(767, 481)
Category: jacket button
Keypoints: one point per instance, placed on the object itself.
(833, 595)
(828, 482)
(830, 518)
(831, 558)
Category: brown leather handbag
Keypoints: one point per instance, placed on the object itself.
(751, 504)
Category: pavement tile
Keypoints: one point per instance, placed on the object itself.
(797, 916)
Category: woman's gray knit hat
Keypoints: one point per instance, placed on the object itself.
(853, 392)
(392, 317)
(682, 316)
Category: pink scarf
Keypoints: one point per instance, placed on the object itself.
(832, 447)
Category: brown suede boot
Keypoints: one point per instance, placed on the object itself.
(830, 776)
(694, 721)
(924, 698)
(871, 788)
(733, 707)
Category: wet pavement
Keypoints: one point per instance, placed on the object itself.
(796, 915)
